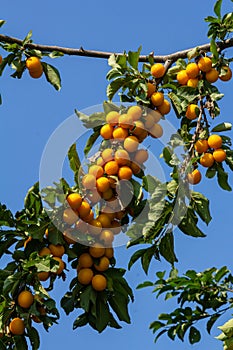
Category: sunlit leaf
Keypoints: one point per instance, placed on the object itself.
(133, 57)
(27, 39)
(2, 22)
(201, 205)
(55, 54)
(52, 75)
(217, 8)
(222, 127)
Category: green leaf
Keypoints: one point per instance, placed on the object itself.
(137, 188)
(227, 328)
(2, 345)
(137, 255)
(222, 127)
(55, 54)
(160, 274)
(102, 313)
(172, 332)
(159, 335)
(114, 86)
(167, 155)
(228, 343)
(176, 103)
(212, 19)
(109, 106)
(220, 273)
(194, 335)
(6, 61)
(34, 338)
(33, 202)
(189, 225)
(19, 67)
(126, 98)
(20, 343)
(159, 214)
(216, 96)
(211, 172)
(112, 61)
(74, 158)
(88, 296)
(91, 140)
(146, 258)
(211, 322)
(150, 60)
(145, 284)
(114, 73)
(166, 248)
(188, 93)
(221, 337)
(229, 160)
(217, 8)
(201, 205)
(122, 60)
(133, 57)
(34, 52)
(81, 321)
(2, 22)
(6, 217)
(222, 177)
(149, 183)
(119, 283)
(119, 304)
(52, 75)
(214, 50)
(172, 187)
(67, 303)
(193, 53)
(112, 322)
(27, 39)
(92, 121)
(156, 325)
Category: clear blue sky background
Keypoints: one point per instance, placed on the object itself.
(32, 109)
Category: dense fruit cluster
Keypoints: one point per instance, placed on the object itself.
(209, 151)
(57, 251)
(25, 300)
(34, 66)
(92, 264)
(27, 306)
(94, 217)
(202, 69)
(32, 305)
(197, 71)
(117, 162)
(157, 97)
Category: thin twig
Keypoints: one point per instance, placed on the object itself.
(105, 54)
(198, 126)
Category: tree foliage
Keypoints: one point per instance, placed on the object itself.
(51, 220)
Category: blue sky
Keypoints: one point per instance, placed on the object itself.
(32, 110)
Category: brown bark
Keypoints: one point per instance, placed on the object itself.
(104, 54)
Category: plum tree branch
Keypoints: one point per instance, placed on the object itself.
(105, 54)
